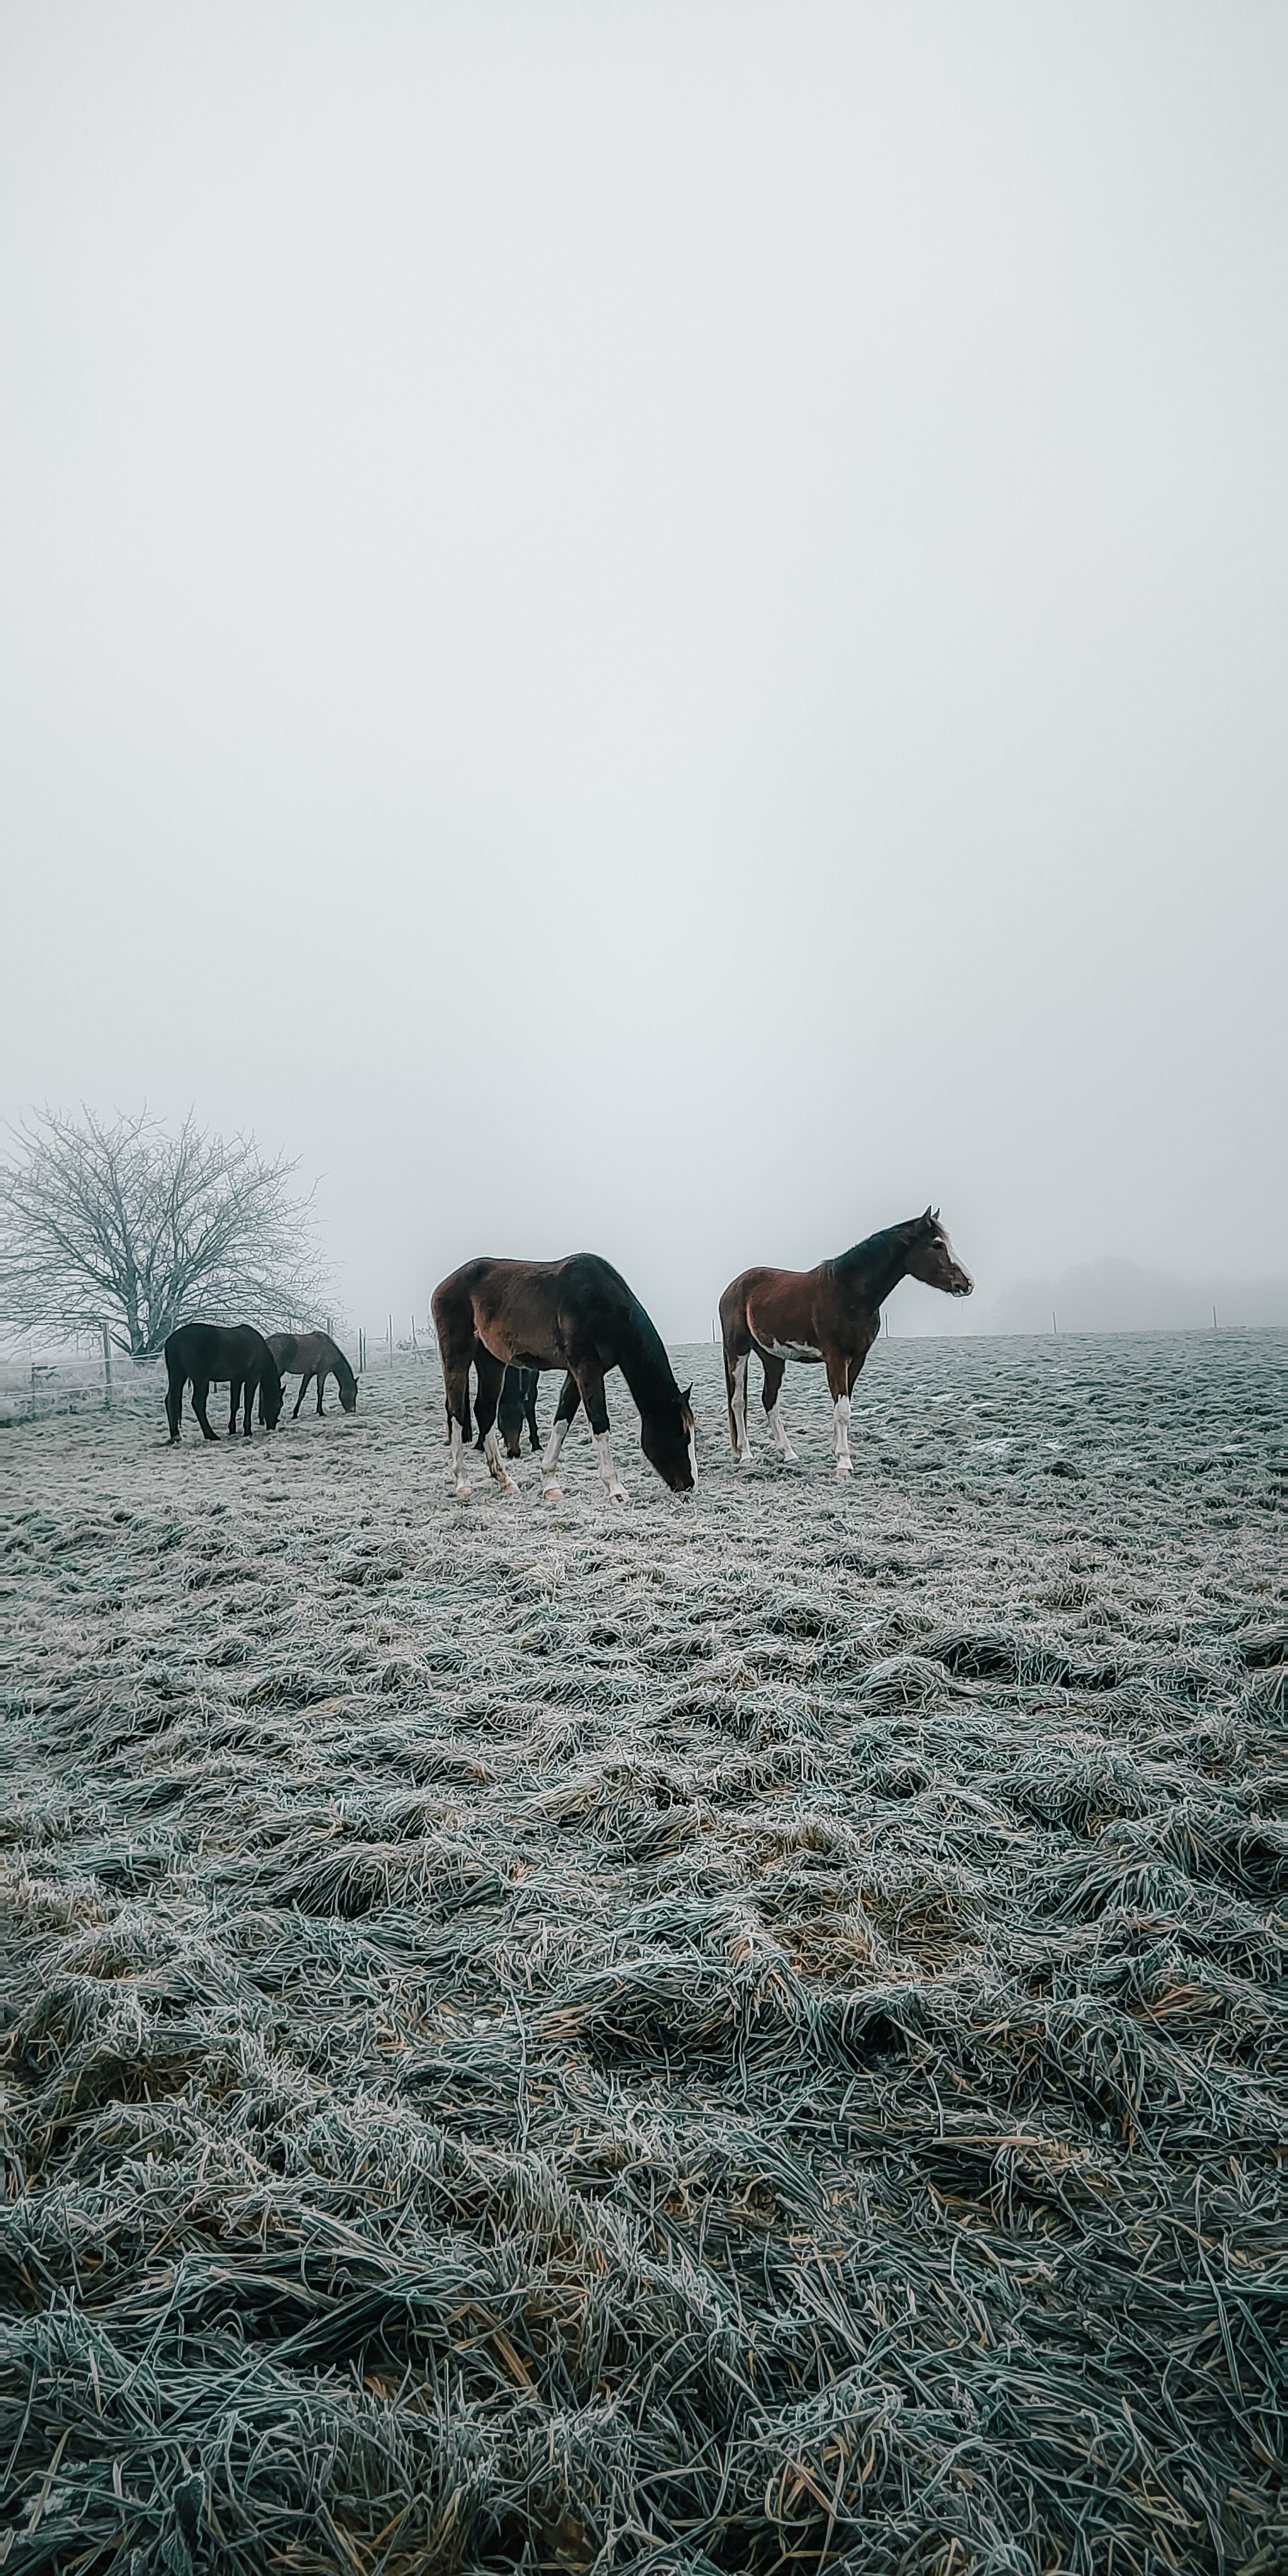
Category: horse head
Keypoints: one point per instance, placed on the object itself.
(667, 1440)
(931, 1258)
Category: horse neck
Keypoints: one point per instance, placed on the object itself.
(643, 1362)
(876, 1265)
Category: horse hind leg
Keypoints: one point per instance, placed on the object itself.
(769, 1397)
(566, 1413)
(174, 1404)
(457, 1349)
(738, 1410)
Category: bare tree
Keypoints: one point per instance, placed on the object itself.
(131, 1229)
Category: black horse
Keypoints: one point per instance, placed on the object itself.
(517, 1404)
(310, 1355)
(577, 1314)
(231, 1355)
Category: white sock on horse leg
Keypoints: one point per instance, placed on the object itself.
(779, 1429)
(458, 1460)
(616, 1489)
(496, 1463)
(550, 1461)
(842, 1416)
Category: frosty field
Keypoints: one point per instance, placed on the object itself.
(733, 2034)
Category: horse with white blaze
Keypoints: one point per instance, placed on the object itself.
(830, 1315)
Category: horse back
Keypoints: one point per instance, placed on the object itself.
(217, 1352)
(794, 1312)
(529, 1314)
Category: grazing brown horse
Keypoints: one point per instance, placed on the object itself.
(831, 1314)
(314, 1355)
(234, 1355)
(579, 1315)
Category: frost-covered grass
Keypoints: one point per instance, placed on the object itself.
(729, 2035)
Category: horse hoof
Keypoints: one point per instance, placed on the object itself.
(844, 1470)
(552, 1493)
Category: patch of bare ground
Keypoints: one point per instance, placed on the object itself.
(729, 2035)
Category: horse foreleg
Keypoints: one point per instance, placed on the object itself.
(838, 1381)
(774, 1370)
(566, 1414)
(321, 1384)
(304, 1388)
(590, 1379)
(200, 1390)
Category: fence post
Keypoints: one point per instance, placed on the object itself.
(391, 1341)
(107, 1370)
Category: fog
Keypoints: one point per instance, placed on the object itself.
(654, 628)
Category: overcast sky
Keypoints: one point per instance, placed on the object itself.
(656, 628)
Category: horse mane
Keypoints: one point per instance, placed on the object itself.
(645, 1367)
(877, 1251)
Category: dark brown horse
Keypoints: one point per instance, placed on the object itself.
(579, 1315)
(516, 1405)
(314, 1355)
(234, 1355)
(832, 1314)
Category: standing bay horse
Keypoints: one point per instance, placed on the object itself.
(830, 1314)
(314, 1355)
(577, 1314)
(234, 1355)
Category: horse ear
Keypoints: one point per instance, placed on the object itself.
(936, 1216)
(686, 1392)
(929, 1217)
